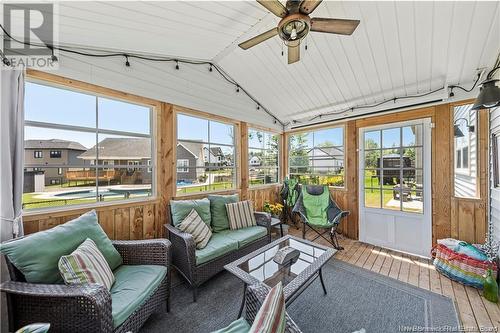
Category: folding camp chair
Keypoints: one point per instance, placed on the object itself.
(319, 212)
(289, 194)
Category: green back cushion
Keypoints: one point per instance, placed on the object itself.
(181, 208)
(37, 255)
(218, 203)
(316, 206)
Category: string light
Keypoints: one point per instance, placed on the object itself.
(53, 58)
(108, 54)
(127, 63)
(210, 69)
(258, 107)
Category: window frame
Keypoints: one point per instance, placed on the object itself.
(465, 171)
(236, 167)
(38, 154)
(279, 152)
(55, 154)
(185, 168)
(96, 92)
(317, 129)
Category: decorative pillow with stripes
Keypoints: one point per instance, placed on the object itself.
(271, 316)
(194, 225)
(240, 215)
(86, 265)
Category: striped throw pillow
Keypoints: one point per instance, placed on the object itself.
(271, 316)
(86, 265)
(194, 225)
(240, 215)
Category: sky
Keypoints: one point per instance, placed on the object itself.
(60, 106)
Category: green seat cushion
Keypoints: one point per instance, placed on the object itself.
(237, 326)
(245, 236)
(37, 255)
(218, 203)
(134, 284)
(181, 208)
(316, 207)
(218, 245)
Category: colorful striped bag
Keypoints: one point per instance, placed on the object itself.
(460, 267)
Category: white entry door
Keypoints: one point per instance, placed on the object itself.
(395, 186)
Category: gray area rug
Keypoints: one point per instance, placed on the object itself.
(356, 299)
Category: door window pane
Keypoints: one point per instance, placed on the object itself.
(394, 168)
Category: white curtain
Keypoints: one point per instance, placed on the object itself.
(11, 152)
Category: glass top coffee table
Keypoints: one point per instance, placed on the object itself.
(296, 276)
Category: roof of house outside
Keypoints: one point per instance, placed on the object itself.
(120, 149)
(331, 151)
(193, 147)
(53, 144)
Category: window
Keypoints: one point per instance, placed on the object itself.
(495, 159)
(183, 166)
(392, 164)
(317, 157)
(465, 129)
(263, 157)
(149, 166)
(38, 154)
(55, 154)
(88, 162)
(209, 148)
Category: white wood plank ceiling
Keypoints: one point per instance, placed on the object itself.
(399, 48)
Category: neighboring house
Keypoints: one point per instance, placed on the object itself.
(130, 157)
(190, 167)
(214, 156)
(322, 157)
(53, 152)
(254, 161)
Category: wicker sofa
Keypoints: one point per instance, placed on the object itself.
(142, 285)
(186, 258)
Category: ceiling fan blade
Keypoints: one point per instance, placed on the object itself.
(258, 39)
(293, 53)
(275, 7)
(334, 26)
(308, 6)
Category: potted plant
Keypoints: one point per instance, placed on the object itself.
(275, 209)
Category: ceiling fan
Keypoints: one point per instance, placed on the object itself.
(295, 24)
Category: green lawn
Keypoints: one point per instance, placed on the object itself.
(205, 188)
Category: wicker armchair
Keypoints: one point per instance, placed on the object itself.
(86, 307)
(184, 258)
(255, 296)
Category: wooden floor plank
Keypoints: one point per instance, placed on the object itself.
(371, 259)
(423, 278)
(464, 307)
(386, 266)
(396, 264)
(404, 270)
(474, 311)
(377, 266)
(482, 318)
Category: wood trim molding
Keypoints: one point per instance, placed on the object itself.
(36, 75)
